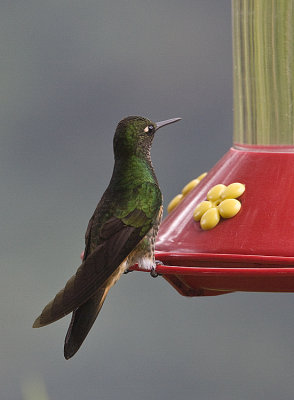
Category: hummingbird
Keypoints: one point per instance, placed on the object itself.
(120, 233)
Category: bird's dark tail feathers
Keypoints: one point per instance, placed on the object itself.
(82, 321)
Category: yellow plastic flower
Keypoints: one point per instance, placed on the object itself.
(221, 202)
(187, 189)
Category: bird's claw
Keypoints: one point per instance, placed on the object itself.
(128, 271)
(153, 271)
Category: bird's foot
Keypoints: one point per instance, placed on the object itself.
(153, 271)
(128, 270)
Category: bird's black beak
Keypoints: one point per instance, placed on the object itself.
(166, 122)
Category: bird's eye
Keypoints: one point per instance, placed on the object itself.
(149, 129)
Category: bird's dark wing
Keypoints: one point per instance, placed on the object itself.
(118, 237)
(92, 273)
(88, 238)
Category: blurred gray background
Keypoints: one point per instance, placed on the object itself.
(70, 70)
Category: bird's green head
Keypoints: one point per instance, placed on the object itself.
(134, 135)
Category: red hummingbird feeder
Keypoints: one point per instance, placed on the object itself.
(251, 246)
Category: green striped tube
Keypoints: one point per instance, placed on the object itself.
(263, 65)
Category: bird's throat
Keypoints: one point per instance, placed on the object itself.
(134, 170)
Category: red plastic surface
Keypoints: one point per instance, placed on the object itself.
(253, 251)
(265, 223)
